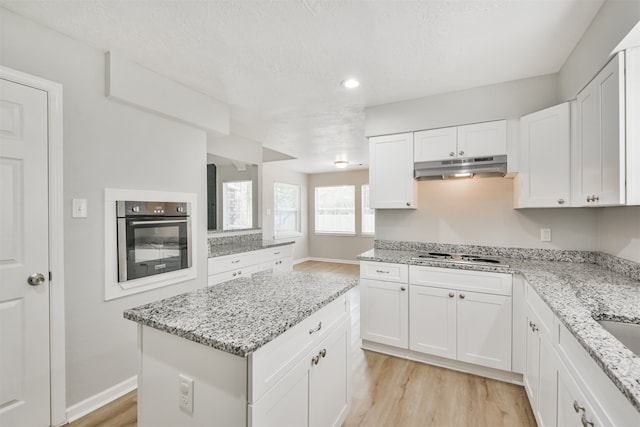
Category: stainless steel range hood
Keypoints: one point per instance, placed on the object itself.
(461, 168)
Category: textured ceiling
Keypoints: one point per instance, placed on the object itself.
(278, 64)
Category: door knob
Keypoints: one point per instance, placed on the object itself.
(36, 279)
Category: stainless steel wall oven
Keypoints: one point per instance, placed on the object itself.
(153, 238)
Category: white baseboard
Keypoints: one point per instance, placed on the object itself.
(301, 260)
(96, 401)
(337, 261)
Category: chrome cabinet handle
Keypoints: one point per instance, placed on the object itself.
(235, 262)
(461, 153)
(323, 352)
(461, 296)
(35, 279)
(239, 272)
(408, 203)
(316, 329)
(451, 154)
(584, 421)
(382, 272)
(561, 201)
(276, 253)
(577, 407)
(315, 360)
(596, 198)
(235, 274)
(403, 288)
(451, 294)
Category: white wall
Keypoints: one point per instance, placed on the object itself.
(274, 172)
(508, 100)
(610, 25)
(620, 232)
(344, 248)
(106, 144)
(480, 212)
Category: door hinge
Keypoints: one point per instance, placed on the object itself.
(50, 276)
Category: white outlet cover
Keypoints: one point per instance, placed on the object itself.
(545, 234)
(185, 393)
(79, 208)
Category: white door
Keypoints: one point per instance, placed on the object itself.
(484, 329)
(24, 308)
(384, 312)
(432, 324)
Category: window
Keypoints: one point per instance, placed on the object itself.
(335, 210)
(237, 205)
(286, 209)
(368, 214)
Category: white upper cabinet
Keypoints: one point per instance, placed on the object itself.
(476, 140)
(483, 139)
(391, 172)
(599, 164)
(544, 178)
(435, 144)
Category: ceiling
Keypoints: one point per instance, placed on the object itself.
(279, 64)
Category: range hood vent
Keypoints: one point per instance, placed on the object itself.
(456, 168)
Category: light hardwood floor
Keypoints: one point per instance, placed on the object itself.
(388, 391)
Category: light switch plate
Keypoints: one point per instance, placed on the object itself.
(79, 208)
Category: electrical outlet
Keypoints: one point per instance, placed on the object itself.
(545, 234)
(185, 393)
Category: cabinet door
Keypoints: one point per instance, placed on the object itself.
(532, 362)
(484, 329)
(573, 407)
(384, 311)
(600, 163)
(544, 177)
(287, 403)
(432, 321)
(435, 144)
(610, 83)
(547, 391)
(482, 139)
(391, 172)
(329, 381)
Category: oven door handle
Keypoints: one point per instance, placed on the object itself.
(172, 221)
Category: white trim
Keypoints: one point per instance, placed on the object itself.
(56, 238)
(337, 261)
(98, 400)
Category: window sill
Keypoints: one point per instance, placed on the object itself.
(317, 233)
(286, 235)
(367, 235)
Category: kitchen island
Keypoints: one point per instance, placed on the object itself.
(272, 349)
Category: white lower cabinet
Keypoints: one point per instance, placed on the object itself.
(449, 321)
(316, 392)
(384, 303)
(244, 264)
(564, 384)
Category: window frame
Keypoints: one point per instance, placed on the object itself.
(225, 205)
(286, 234)
(315, 212)
(362, 210)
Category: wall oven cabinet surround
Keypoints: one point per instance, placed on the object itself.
(461, 142)
(391, 172)
(462, 315)
(544, 178)
(153, 238)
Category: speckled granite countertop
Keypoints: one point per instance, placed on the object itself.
(578, 293)
(242, 315)
(236, 248)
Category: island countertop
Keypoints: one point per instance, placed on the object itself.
(242, 315)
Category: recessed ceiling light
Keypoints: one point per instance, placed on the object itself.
(350, 83)
(341, 164)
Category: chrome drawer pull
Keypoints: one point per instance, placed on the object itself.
(235, 262)
(316, 329)
(382, 271)
(577, 407)
(586, 423)
(323, 352)
(315, 360)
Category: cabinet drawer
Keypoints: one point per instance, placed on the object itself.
(542, 311)
(463, 280)
(270, 363)
(232, 262)
(387, 272)
(271, 254)
(214, 279)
